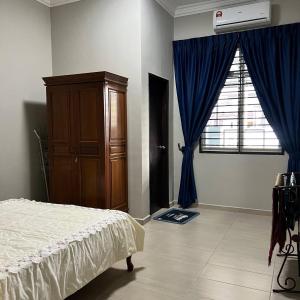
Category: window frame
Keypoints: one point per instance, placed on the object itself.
(240, 132)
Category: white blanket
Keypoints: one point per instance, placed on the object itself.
(49, 251)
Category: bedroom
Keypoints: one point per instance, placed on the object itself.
(132, 39)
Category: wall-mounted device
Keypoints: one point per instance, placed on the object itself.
(242, 17)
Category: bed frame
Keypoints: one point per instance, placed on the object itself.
(130, 266)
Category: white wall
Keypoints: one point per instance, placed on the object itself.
(98, 35)
(230, 179)
(130, 38)
(157, 35)
(25, 56)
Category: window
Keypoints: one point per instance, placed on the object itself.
(237, 123)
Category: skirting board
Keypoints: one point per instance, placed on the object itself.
(252, 211)
(144, 220)
(173, 203)
(148, 218)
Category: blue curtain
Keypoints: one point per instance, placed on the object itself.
(201, 67)
(272, 56)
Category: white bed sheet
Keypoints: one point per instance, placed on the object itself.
(49, 251)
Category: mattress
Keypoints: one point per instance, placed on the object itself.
(49, 251)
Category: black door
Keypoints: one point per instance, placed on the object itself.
(159, 158)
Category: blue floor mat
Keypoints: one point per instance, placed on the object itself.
(177, 216)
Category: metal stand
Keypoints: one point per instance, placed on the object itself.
(288, 252)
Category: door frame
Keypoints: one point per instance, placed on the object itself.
(166, 202)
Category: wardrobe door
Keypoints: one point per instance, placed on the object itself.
(117, 147)
(90, 146)
(62, 161)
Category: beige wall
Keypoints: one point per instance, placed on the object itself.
(283, 12)
(97, 35)
(90, 35)
(229, 179)
(130, 38)
(25, 56)
(157, 36)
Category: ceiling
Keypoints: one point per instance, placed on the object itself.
(176, 8)
(179, 8)
(52, 3)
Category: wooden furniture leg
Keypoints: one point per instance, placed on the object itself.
(130, 265)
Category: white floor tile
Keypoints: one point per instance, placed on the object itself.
(219, 255)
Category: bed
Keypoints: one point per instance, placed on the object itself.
(49, 251)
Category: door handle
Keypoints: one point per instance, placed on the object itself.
(76, 159)
(162, 147)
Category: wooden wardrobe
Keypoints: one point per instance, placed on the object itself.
(87, 140)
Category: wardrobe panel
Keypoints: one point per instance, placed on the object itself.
(89, 126)
(60, 113)
(90, 182)
(117, 113)
(118, 172)
(89, 114)
(63, 180)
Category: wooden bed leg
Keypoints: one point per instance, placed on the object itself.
(130, 265)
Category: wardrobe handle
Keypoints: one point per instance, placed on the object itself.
(76, 159)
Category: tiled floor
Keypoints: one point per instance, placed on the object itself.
(219, 255)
